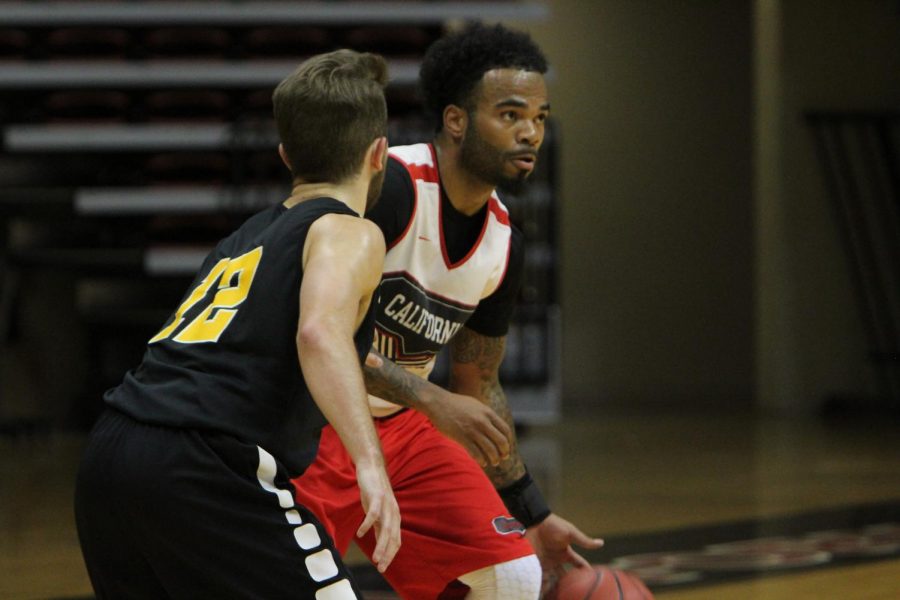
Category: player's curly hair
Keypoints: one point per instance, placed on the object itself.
(454, 65)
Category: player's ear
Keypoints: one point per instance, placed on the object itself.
(284, 157)
(378, 154)
(456, 119)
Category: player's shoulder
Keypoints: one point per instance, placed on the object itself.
(413, 155)
(348, 228)
(416, 162)
(499, 210)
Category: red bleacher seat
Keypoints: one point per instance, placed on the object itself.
(187, 105)
(14, 44)
(299, 41)
(188, 168)
(187, 42)
(86, 105)
(391, 41)
(87, 42)
(257, 105)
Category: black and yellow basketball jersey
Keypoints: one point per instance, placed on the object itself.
(226, 360)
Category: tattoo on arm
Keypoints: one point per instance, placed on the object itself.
(394, 384)
(477, 358)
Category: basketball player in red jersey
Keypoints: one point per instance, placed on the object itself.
(471, 528)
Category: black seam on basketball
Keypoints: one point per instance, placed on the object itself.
(597, 577)
(618, 585)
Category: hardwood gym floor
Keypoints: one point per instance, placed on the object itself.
(679, 497)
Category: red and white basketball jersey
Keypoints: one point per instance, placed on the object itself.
(424, 298)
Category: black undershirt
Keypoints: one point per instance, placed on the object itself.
(461, 231)
(392, 214)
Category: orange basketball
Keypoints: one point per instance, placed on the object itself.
(599, 583)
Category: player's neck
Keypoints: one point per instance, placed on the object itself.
(352, 193)
(466, 193)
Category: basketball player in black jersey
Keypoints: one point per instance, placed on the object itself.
(452, 274)
(184, 490)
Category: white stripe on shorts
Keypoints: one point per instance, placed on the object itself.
(320, 565)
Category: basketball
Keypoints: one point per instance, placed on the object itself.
(599, 582)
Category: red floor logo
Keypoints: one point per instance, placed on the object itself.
(763, 554)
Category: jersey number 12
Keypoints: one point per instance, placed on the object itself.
(212, 320)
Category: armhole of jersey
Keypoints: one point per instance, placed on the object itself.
(308, 230)
(503, 217)
(415, 202)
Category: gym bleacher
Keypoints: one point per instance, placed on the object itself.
(136, 134)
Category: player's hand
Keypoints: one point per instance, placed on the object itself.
(475, 426)
(382, 513)
(373, 361)
(552, 540)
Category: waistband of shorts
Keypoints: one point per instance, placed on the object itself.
(392, 415)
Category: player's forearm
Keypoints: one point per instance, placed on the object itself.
(475, 364)
(332, 372)
(512, 468)
(395, 384)
(519, 492)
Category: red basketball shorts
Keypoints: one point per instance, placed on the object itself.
(453, 521)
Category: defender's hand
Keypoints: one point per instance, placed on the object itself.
(382, 513)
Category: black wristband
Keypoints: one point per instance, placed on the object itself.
(525, 502)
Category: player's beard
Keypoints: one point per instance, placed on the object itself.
(487, 162)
